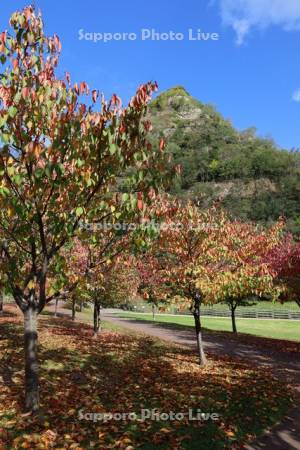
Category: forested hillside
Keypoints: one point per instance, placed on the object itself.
(249, 175)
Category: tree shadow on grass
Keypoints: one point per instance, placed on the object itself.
(260, 350)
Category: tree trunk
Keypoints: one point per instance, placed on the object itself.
(198, 328)
(73, 308)
(56, 306)
(97, 318)
(233, 308)
(31, 362)
(153, 312)
(1, 303)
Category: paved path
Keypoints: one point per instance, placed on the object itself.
(285, 366)
(284, 436)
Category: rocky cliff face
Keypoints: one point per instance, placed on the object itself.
(175, 107)
(250, 176)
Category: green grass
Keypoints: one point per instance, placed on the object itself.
(278, 329)
(261, 306)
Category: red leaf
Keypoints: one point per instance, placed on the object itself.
(115, 100)
(151, 194)
(25, 92)
(28, 12)
(3, 37)
(57, 43)
(82, 87)
(94, 95)
(162, 145)
(68, 77)
(76, 88)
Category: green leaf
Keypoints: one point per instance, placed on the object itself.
(48, 171)
(17, 97)
(4, 191)
(3, 120)
(17, 180)
(112, 149)
(110, 137)
(5, 138)
(10, 171)
(79, 211)
(79, 162)
(12, 111)
(34, 59)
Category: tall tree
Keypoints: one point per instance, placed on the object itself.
(61, 158)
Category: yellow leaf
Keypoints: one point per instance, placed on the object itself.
(230, 433)
(31, 284)
(10, 211)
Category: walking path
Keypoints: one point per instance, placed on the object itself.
(285, 366)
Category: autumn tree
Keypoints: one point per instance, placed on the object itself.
(113, 284)
(151, 280)
(185, 243)
(63, 150)
(209, 258)
(71, 272)
(98, 269)
(100, 265)
(284, 260)
(239, 273)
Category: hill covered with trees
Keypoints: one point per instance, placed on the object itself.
(250, 176)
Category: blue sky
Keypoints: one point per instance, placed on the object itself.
(251, 74)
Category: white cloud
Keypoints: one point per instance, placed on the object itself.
(243, 15)
(296, 96)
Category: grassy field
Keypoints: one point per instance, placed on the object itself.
(278, 329)
(261, 306)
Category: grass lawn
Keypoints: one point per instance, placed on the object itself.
(125, 373)
(278, 329)
(259, 306)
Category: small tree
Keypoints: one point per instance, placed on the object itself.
(233, 303)
(239, 271)
(284, 261)
(241, 288)
(151, 280)
(113, 285)
(98, 270)
(184, 246)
